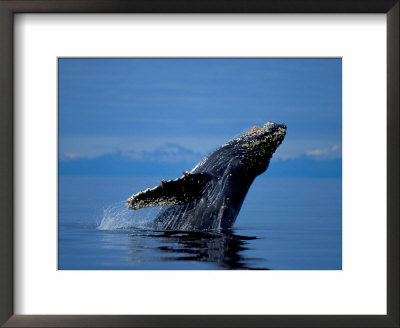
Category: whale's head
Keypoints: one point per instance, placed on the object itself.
(257, 146)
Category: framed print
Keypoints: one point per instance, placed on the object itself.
(102, 103)
(178, 140)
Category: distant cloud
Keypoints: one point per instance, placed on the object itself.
(71, 156)
(94, 146)
(325, 153)
(169, 153)
(284, 157)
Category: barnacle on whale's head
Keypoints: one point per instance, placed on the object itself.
(253, 129)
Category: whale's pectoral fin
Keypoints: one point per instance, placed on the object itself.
(173, 192)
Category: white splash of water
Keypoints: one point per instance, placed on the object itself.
(118, 216)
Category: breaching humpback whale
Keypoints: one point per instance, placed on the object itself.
(211, 195)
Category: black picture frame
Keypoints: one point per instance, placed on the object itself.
(10, 7)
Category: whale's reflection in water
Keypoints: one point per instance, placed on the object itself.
(225, 250)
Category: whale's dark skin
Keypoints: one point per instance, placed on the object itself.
(211, 195)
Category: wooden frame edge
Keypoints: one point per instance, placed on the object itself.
(6, 164)
(9, 7)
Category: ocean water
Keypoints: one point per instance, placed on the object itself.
(284, 224)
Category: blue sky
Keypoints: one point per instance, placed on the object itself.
(177, 110)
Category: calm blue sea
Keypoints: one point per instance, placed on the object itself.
(284, 224)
